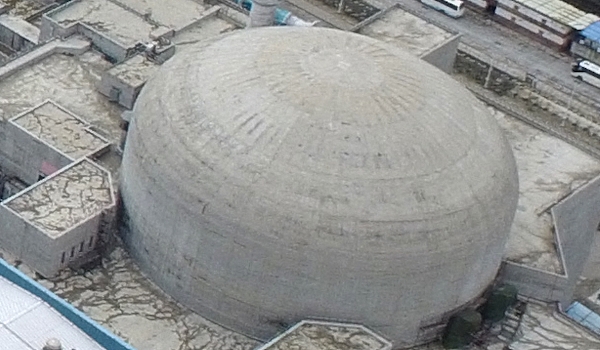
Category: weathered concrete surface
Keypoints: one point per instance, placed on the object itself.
(208, 28)
(70, 82)
(173, 13)
(327, 336)
(61, 130)
(295, 177)
(120, 298)
(65, 200)
(406, 31)
(549, 169)
(544, 329)
(108, 18)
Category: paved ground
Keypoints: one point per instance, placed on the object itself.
(505, 45)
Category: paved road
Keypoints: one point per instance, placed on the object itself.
(505, 45)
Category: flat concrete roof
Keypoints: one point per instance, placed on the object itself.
(406, 31)
(27, 322)
(71, 82)
(207, 28)
(106, 17)
(134, 71)
(62, 130)
(172, 13)
(315, 335)
(24, 8)
(64, 200)
(549, 169)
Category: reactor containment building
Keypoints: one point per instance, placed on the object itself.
(278, 174)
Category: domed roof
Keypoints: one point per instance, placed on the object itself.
(333, 173)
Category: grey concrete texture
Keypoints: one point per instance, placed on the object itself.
(22, 154)
(576, 220)
(57, 220)
(443, 55)
(340, 178)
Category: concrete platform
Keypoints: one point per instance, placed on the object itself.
(549, 169)
(62, 130)
(406, 31)
(65, 200)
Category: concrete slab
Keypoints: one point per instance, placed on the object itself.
(65, 200)
(406, 31)
(117, 23)
(549, 169)
(543, 328)
(61, 130)
(207, 28)
(20, 27)
(24, 8)
(313, 335)
(174, 14)
(71, 82)
(135, 71)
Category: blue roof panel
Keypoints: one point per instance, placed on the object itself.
(592, 32)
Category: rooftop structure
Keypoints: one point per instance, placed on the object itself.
(401, 28)
(61, 130)
(315, 335)
(31, 317)
(549, 169)
(341, 184)
(56, 221)
(20, 312)
(407, 31)
(66, 200)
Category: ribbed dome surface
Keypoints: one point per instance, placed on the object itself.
(278, 174)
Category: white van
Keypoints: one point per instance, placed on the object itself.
(452, 8)
(587, 71)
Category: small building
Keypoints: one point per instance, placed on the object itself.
(55, 221)
(551, 22)
(587, 43)
(426, 40)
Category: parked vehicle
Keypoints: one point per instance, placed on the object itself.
(452, 8)
(587, 72)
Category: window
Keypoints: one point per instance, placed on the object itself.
(62, 258)
(91, 242)
(72, 252)
(81, 246)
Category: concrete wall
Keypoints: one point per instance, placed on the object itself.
(22, 155)
(41, 252)
(27, 242)
(534, 283)
(76, 240)
(443, 55)
(576, 220)
(126, 93)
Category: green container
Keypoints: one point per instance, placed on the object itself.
(499, 301)
(460, 329)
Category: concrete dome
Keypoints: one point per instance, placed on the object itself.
(278, 174)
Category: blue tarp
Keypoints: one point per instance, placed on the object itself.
(584, 316)
(592, 32)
